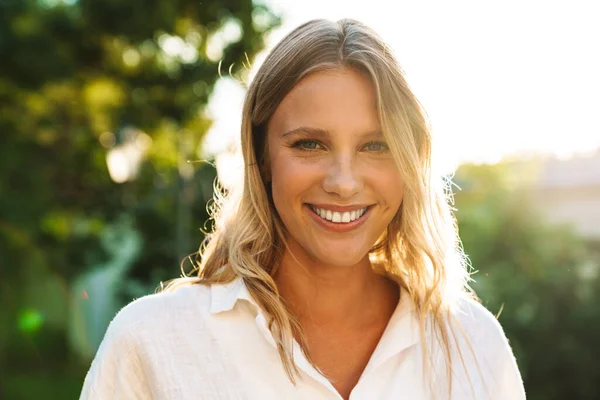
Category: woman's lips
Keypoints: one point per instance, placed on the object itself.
(338, 226)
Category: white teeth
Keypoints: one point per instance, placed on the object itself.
(339, 217)
(336, 217)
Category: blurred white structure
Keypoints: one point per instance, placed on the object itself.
(124, 159)
(568, 191)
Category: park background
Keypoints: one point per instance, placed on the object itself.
(115, 114)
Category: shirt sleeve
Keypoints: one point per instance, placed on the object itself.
(501, 365)
(116, 371)
(488, 354)
(508, 382)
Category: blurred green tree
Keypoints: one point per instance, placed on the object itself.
(86, 85)
(542, 279)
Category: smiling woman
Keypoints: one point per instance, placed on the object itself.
(336, 271)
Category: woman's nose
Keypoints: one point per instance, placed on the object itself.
(343, 177)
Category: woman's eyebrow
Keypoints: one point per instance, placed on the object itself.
(306, 130)
(373, 135)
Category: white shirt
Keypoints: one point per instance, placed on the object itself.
(212, 342)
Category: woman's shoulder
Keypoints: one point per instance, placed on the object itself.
(486, 352)
(478, 323)
(490, 349)
(162, 309)
(143, 333)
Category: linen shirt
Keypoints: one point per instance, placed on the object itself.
(212, 342)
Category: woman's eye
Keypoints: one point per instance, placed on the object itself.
(377, 147)
(307, 145)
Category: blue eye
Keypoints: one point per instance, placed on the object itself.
(307, 144)
(377, 147)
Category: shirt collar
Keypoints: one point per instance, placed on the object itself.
(225, 295)
(403, 322)
(401, 333)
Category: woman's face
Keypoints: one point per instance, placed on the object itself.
(334, 182)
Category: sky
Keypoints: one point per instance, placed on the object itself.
(496, 79)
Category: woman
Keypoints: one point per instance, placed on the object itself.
(336, 271)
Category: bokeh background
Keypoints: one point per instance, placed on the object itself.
(115, 114)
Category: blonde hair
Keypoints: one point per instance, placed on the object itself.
(420, 248)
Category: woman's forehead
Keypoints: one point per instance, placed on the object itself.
(329, 100)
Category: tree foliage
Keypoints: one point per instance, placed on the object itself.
(543, 280)
(80, 82)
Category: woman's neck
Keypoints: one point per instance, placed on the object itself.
(334, 296)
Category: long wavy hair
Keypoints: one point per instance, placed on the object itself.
(420, 248)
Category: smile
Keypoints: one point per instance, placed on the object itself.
(339, 217)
